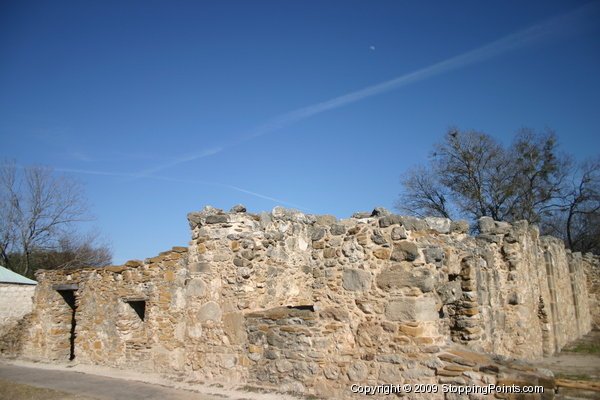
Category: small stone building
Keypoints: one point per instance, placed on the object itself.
(316, 305)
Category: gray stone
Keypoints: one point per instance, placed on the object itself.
(238, 209)
(228, 361)
(378, 237)
(271, 354)
(331, 372)
(450, 292)
(398, 233)
(356, 280)
(196, 288)
(401, 275)
(278, 212)
(325, 219)
(489, 238)
(460, 226)
(435, 255)
(337, 229)
(418, 373)
(412, 309)
(217, 219)
(502, 227)
(413, 223)
(318, 233)
(311, 219)
(264, 219)
(405, 251)
(441, 225)
(283, 366)
(295, 216)
(195, 219)
(389, 220)
(486, 225)
(361, 215)
(358, 371)
(199, 267)
(381, 212)
(210, 311)
(391, 358)
(390, 373)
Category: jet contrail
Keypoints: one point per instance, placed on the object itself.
(509, 43)
(521, 39)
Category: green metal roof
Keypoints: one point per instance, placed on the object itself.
(7, 276)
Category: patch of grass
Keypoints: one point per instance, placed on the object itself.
(574, 377)
(583, 348)
(251, 389)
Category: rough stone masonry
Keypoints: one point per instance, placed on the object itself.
(314, 305)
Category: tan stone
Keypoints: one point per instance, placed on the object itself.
(382, 253)
(411, 330)
(169, 276)
(468, 311)
(180, 249)
(116, 268)
(134, 263)
(469, 356)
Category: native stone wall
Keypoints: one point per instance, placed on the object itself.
(312, 304)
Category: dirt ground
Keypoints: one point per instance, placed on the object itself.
(579, 361)
(14, 391)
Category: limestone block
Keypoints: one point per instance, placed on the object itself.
(401, 275)
(390, 373)
(487, 225)
(233, 324)
(196, 288)
(210, 311)
(405, 250)
(441, 225)
(326, 220)
(450, 292)
(460, 226)
(238, 209)
(358, 371)
(199, 267)
(356, 279)
(412, 309)
(337, 229)
(413, 223)
(435, 255)
(398, 233)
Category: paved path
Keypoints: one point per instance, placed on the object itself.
(95, 387)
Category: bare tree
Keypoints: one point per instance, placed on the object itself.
(38, 209)
(424, 195)
(583, 212)
(473, 175)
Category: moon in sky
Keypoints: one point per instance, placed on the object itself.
(372, 47)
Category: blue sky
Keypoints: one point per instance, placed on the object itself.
(165, 107)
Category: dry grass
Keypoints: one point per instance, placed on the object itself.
(15, 391)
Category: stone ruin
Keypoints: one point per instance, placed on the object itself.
(309, 304)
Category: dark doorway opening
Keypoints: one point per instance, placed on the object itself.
(69, 297)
